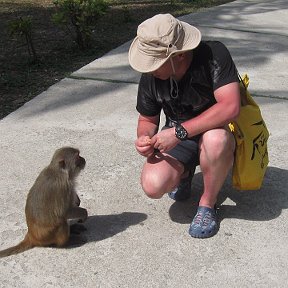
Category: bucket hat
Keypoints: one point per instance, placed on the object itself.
(158, 38)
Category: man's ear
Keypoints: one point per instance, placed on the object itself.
(181, 56)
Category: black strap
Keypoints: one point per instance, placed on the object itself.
(241, 80)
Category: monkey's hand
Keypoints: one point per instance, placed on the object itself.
(77, 213)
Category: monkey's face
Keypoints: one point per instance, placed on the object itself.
(80, 162)
(69, 158)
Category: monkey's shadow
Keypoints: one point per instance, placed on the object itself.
(264, 204)
(100, 227)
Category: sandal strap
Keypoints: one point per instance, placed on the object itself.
(204, 224)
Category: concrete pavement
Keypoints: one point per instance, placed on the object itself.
(133, 241)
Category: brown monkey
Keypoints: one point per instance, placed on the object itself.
(51, 201)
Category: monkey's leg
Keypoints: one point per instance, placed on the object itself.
(76, 240)
(63, 238)
(62, 235)
(77, 228)
(42, 235)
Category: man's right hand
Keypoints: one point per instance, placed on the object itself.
(145, 146)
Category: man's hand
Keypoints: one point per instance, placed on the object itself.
(145, 146)
(165, 140)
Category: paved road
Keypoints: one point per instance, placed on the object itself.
(134, 241)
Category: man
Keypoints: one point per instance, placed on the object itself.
(195, 83)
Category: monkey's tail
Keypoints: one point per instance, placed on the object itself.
(21, 247)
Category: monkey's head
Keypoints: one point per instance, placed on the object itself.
(68, 158)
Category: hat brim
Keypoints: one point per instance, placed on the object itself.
(145, 64)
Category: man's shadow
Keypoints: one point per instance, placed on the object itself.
(257, 205)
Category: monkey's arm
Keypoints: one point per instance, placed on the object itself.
(77, 201)
(77, 213)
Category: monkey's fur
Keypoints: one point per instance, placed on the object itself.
(51, 201)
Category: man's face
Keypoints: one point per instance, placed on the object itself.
(164, 72)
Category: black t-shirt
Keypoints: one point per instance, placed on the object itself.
(211, 67)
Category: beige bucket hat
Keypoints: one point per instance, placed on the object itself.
(158, 38)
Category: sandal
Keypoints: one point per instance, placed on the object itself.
(183, 191)
(204, 224)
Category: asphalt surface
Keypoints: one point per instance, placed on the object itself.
(134, 241)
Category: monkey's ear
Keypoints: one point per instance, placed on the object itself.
(62, 164)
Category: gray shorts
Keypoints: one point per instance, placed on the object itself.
(186, 152)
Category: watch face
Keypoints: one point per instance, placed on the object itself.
(180, 132)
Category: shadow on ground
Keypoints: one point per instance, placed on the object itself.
(264, 204)
(100, 227)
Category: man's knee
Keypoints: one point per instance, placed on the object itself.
(218, 143)
(151, 185)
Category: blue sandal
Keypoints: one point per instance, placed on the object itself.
(183, 191)
(204, 224)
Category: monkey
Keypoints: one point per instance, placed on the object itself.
(51, 201)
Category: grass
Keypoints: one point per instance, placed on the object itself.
(58, 56)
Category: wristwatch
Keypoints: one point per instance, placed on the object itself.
(180, 132)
